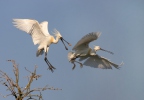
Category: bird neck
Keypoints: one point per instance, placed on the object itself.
(55, 41)
(93, 52)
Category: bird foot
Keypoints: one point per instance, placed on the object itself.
(51, 68)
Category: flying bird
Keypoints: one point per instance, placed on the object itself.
(40, 35)
(82, 51)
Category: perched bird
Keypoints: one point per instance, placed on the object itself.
(82, 51)
(40, 35)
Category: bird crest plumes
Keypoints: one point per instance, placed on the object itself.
(57, 33)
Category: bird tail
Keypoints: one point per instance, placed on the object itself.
(115, 65)
(39, 52)
(71, 55)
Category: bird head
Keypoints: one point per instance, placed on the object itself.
(57, 34)
(96, 48)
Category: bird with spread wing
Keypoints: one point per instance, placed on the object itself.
(40, 35)
(82, 51)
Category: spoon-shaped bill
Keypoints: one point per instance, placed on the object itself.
(106, 51)
(62, 39)
(66, 41)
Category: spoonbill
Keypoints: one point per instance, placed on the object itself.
(82, 51)
(40, 35)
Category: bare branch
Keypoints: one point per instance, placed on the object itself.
(14, 88)
(35, 76)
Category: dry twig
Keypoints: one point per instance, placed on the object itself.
(18, 92)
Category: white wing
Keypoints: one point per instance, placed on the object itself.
(83, 43)
(33, 28)
(44, 27)
(100, 62)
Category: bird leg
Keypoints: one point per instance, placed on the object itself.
(73, 66)
(81, 65)
(49, 64)
(46, 60)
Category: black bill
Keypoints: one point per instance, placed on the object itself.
(106, 51)
(64, 43)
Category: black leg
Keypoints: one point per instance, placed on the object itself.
(49, 64)
(73, 66)
(81, 65)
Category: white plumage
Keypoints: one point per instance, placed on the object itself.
(82, 51)
(40, 35)
(97, 61)
(83, 43)
(38, 31)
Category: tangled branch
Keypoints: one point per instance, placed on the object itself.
(18, 92)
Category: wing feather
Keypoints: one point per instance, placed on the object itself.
(84, 42)
(100, 62)
(33, 28)
(44, 27)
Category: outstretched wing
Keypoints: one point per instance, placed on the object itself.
(97, 61)
(32, 27)
(84, 42)
(44, 28)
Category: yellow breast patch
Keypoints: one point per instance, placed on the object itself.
(52, 39)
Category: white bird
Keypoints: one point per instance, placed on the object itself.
(84, 52)
(40, 36)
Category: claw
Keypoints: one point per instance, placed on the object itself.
(51, 68)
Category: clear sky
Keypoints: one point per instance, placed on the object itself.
(122, 25)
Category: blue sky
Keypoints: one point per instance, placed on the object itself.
(122, 25)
